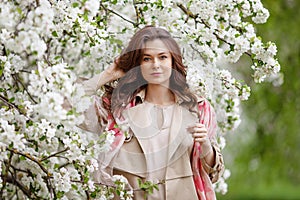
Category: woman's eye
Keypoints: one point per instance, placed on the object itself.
(146, 59)
(163, 57)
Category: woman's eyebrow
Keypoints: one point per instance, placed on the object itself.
(163, 52)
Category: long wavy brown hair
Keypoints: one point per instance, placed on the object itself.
(133, 82)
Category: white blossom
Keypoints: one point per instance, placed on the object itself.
(62, 180)
(227, 174)
(109, 139)
(222, 142)
(222, 186)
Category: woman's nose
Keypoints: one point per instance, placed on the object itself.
(156, 63)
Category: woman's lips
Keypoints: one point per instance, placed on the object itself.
(156, 74)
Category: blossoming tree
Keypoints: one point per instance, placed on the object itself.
(45, 45)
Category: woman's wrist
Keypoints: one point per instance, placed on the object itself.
(206, 148)
(103, 78)
(107, 76)
(210, 157)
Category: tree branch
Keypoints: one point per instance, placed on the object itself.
(200, 54)
(16, 78)
(47, 51)
(22, 187)
(5, 176)
(52, 155)
(11, 105)
(48, 174)
(26, 155)
(137, 11)
(112, 11)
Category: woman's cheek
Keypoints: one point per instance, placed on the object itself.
(144, 72)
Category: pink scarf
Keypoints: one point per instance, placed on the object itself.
(202, 182)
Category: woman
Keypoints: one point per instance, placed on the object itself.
(171, 136)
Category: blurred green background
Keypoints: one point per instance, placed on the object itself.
(263, 154)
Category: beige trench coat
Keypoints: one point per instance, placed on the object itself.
(131, 161)
(179, 182)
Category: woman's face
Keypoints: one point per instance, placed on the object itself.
(156, 65)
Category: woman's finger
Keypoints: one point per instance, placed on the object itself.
(199, 125)
(199, 130)
(199, 135)
(201, 140)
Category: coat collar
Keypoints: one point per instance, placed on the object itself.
(140, 96)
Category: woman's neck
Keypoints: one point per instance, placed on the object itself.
(160, 95)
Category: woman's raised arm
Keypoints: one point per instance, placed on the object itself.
(110, 74)
(95, 117)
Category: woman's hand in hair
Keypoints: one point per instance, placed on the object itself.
(113, 72)
(109, 74)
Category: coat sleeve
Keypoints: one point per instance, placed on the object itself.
(95, 117)
(208, 117)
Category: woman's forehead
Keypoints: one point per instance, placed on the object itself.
(155, 47)
(156, 44)
(155, 51)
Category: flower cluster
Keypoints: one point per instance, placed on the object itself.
(122, 187)
(45, 45)
(108, 138)
(222, 187)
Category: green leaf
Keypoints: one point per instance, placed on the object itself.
(85, 16)
(54, 34)
(42, 138)
(60, 194)
(57, 57)
(11, 100)
(74, 187)
(70, 112)
(22, 158)
(145, 8)
(139, 182)
(87, 53)
(150, 190)
(94, 194)
(70, 68)
(19, 10)
(11, 145)
(75, 4)
(29, 123)
(60, 126)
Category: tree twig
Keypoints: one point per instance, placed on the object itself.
(17, 79)
(11, 105)
(137, 14)
(119, 15)
(55, 154)
(26, 155)
(22, 187)
(5, 176)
